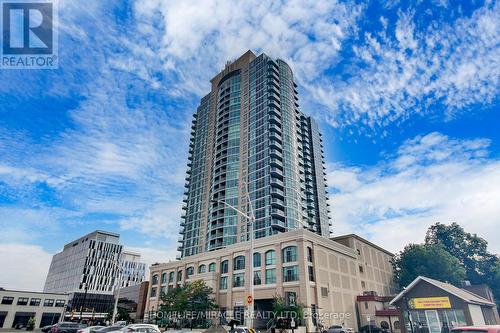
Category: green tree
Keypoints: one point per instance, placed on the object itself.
(193, 299)
(283, 309)
(121, 314)
(469, 249)
(427, 260)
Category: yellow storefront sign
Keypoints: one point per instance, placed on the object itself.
(430, 303)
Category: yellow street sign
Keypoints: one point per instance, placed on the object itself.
(430, 303)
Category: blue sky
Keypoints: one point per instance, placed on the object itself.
(405, 92)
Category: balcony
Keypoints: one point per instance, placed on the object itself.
(275, 171)
(277, 183)
(278, 214)
(278, 225)
(275, 135)
(274, 103)
(276, 192)
(276, 161)
(275, 153)
(275, 128)
(274, 119)
(277, 202)
(275, 143)
(273, 95)
(274, 111)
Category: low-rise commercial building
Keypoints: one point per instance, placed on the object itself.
(17, 307)
(133, 300)
(433, 306)
(323, 274)
(376, 311)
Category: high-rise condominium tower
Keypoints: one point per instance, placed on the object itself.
(248, 133)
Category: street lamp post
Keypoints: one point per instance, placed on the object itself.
(117, 289)
(251, 220)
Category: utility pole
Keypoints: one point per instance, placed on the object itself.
(84, 300)
(117, 287)
(251, 221)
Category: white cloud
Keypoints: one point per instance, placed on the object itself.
(24, 266)
(452, 66)
(156, 254)
(193, 40)
(431, 178)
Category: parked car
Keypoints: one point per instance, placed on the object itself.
(94, 329)
(66, 327)
(240, 329)
(47, 328)
(371, 329)
(335, 329)
(145, 328)
(89, 329)
(477, 329)
(108, 329)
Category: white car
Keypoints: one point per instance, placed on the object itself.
(89, 329)
(143, 328)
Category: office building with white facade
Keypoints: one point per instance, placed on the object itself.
(90, 268)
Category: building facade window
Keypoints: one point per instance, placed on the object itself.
(309, 254)
(314, 314)
(154, 279)
(59, 303)
(7, 300)
(211, 267)
(179, 276)
(239, 263)
(48, 302)
(224, 267)
(189, 271)
(256, 259)
(202, 269)
(289, 254)
(257, 278)
(223, 283)
(270, 258)
(291, 298)
(239, 280)
(290, 273)
(171, 276)
(310, 271)
(163, 278)
(361, 270)
(163, 290)
(22, 301)
(35, 301)
(271, 276)
(153, 292)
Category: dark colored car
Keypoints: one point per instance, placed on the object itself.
(66, 327)
(371, 329)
